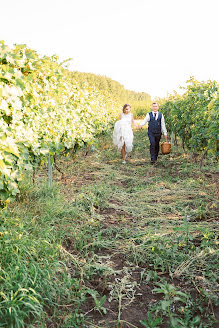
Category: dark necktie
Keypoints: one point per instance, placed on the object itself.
(155, 115)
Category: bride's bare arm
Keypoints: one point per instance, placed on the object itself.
(133, 122)
(120, 117)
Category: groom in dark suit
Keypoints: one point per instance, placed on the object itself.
(156, 125)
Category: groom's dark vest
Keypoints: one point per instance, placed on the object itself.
(154, 126)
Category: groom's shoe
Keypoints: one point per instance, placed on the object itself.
(153, 162)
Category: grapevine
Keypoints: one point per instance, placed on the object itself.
(42, 113)
(194, 116)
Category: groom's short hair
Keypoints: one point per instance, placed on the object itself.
(155, 103)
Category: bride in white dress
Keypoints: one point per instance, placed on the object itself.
(122, 134)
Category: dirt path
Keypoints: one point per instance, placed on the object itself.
(140, 226)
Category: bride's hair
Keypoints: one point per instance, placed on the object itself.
(124, 107)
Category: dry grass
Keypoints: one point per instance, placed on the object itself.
(143, 208)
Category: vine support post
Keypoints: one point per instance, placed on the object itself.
(49, 172)
(171, 137)
(203, 156)
(175, 140)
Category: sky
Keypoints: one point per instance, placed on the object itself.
(151, 46)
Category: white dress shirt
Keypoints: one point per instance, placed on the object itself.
(147, 119)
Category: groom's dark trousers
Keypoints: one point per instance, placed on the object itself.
(154, 134)
(154, 145)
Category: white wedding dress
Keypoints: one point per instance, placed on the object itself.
(123, 133)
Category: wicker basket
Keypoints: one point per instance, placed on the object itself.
(166, 148)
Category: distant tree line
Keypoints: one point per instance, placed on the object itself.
(140, 101)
